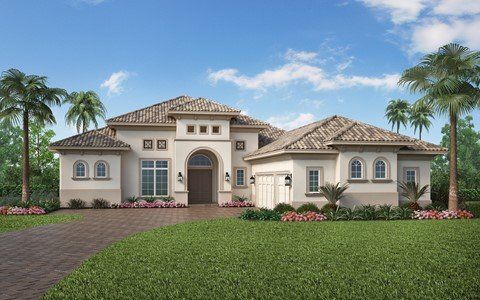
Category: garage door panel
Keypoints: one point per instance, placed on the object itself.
(271, 190)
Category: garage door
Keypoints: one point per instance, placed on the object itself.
(270, 190)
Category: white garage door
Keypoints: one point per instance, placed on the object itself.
(270, 190)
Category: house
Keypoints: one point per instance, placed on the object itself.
(201, 151)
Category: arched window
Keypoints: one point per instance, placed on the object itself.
(356, 169)
(101, 169)
(380, 169)
(199, 160)
(80, 169)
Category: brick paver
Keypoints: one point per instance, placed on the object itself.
(33, 260)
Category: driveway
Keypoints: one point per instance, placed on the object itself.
(33, 260)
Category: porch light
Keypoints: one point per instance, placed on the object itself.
(227, 176)
(180, 177)
(252, 180)
(288, 180)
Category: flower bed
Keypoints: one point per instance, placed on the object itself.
(15, 210)
(234, 203)
(441, 215)
(309, 216)
(145, 204)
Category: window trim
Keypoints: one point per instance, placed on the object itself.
(107, 170)
(387, 169)
(143, 144)
(194, 129)
(321, 180)
(200, 129)
(166, 144)
(244, 145)
(75, 177)
(235, 185)
(219, 129)
(364, 170)
(417, 174)
(169, 181)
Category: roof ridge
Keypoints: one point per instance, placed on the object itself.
(317, 125)
(380, 128)
(218, 103)
(342, 130)
(191, 99)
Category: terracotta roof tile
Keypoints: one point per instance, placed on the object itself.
(98, 138)
(203, 105)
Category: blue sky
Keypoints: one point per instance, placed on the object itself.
(287, 62)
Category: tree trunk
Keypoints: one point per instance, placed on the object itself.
(453, 189)
(420, 131)
(26, 159)
(398, 127)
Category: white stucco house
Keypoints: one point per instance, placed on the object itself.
(201, 151)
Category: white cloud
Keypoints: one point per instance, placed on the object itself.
(291, 121)
(401, 11)
(115, 81)
(300, 56)
(300, 73)
(457, 7)
(345, 64)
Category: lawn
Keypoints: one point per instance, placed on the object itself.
(10, 222)
(238, 259)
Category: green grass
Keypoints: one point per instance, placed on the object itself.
(263, 260)
(11, 223)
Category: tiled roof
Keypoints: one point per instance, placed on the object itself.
(322, 135)
(269, 135)
(203, 105)
(98, 138)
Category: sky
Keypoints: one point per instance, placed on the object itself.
(286, 62)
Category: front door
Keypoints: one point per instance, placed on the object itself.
(199, 186)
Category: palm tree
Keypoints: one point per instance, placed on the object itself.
(85, 108)
(333, 192)
(449, 80)
(413, 192)
(24, 99)
(397, 113)
(420, 116)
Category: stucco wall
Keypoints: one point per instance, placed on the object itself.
(251, 140)
(423, 163)
(87, 189)
(182, 129)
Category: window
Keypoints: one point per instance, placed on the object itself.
(147, 144)
(161, 144)
(240, 145)
(191, 129)
(199, 160)
(154, 175)
(313, 180)
(215, 129)
(203, 129)
(411, 175)
(240, 176)
(101, 169)
(380, 169)
(356, 169)
(80, 169)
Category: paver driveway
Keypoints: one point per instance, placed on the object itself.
(34, 259)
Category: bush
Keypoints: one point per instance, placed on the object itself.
(308, 207)
(402, 213)
(100, 203)
(436, 206)
(262, 214)
(474, 208)
(469, 195)
(283, 208)
(167, 199)
(76, 203)
(365, 212)
(328, 208)
(132, 199)
(310, 216)
(49, 205)
(386, 212)
(239, 198)
(411, 205)
(149, 199)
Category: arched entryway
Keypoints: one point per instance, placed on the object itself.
(202, 177)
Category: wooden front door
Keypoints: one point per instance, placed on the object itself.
(199, 186)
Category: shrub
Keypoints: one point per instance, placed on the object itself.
(239, 198)
(474, 208)
(469, 195)
(385, 212)
(436, 206)
(413, 192)
(15, 210)
(365, 212)
(132, 199)
(237, 204)
(76, 203)
(411, 205)
(402, 213)
(149, 199)
(310, 216)
(328, 208)
(49, 205)
(167, 199)
(333, 192)
(283, 208)
(100, 203)
(308, 207)
(249, 214)
(441, 215)
(262, 214)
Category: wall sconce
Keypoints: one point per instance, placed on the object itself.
(180, 177)
(227, 176)
(288, 180)
(252, 180)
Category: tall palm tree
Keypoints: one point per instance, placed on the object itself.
(449, 81)
(397, 113)
(420, 116)
(23, 99)
(85, 108)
